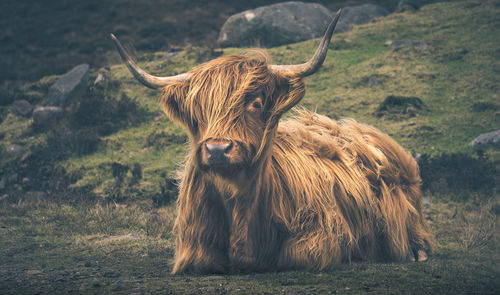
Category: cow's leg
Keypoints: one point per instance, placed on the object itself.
(202, 229)
(420, 239)
(406, 235)
(256, 241)
(313, 249)
(418, 230)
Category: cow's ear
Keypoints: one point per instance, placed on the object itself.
(173, 104)
(288, 92)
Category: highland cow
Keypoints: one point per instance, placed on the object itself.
(260, 194)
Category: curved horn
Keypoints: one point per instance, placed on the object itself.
(143, 77)
(316, 61)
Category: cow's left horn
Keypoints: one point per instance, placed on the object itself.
(143, 77)
(316, 61)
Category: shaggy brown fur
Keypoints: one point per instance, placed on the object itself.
(307, 193)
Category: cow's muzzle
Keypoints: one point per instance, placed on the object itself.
(217, 152)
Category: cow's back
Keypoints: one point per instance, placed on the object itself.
(350, 182)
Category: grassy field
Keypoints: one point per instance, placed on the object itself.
(49, 248)
(92, 208)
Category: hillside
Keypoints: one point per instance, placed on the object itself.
(48, 38)
(106, 168)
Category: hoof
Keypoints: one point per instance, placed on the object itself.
(419, 255)
(422, 255)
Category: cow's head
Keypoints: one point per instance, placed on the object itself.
(231, 105)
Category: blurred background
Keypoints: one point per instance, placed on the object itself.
(42, 38)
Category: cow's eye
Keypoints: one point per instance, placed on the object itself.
(255, 105)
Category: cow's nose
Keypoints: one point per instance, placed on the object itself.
(218, 151)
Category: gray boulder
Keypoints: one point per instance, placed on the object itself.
(487, 138)
(357, 15)
(274, 25)
(68, 86)
(21, 107)
(45, 116)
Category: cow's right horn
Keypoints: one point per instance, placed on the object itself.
(316, 61)
(143, 77)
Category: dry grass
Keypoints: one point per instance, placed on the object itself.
(478, 227)
(51, 248)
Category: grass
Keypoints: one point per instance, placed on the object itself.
(58, 249)
(65, 231)
(453, 79)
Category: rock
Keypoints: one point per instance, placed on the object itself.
(12, 150)
(411, 43)
(274, 25)
(68, 86)
(373, 81)
(103, 80)
(100, 79)
(388, 42)
(45, 116)
(414, 4)
(21, 108)
(357, 15)
(487, 138)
